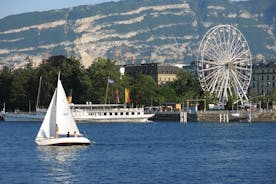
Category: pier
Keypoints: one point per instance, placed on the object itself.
(218, 116)
(237, 116)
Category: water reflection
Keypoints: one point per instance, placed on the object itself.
(58, 162)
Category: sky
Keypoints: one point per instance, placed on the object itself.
(11, 7)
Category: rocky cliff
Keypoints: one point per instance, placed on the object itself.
(131, 31)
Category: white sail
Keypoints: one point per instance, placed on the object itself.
(64, 118)
(47, 129)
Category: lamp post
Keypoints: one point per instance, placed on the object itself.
(267, 91)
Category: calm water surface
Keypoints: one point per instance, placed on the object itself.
(143, 153)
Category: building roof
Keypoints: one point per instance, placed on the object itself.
(167, 69)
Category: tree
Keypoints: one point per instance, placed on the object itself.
(72, 75)
(272, 95)
(143, 89)
(98, 74)
(166, 93)
(186, 87)
(22, 90)
(6, 78)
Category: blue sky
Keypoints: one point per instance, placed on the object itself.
(11, 7)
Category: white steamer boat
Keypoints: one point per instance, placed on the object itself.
(108, 113)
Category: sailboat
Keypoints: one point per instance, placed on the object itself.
(58, 126)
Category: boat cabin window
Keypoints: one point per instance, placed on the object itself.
(127, 113)
(132, 113)
(116, 113)
(138, 113)
(110, 113)
(105, 114)
(122, 113)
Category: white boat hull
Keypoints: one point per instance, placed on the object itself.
(23, 117)
(120, 119)
(84, 117)
(64, 141)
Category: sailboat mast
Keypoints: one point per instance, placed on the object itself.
(38, 93)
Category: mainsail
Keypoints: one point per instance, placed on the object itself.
(64, 117)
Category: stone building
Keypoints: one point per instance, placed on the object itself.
(160, 73)
(264, 77)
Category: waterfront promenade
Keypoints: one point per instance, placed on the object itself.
(240, 116)
(220, 116)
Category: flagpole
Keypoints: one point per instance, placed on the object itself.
(106, 91)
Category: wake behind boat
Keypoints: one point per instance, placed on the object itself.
(59, 126)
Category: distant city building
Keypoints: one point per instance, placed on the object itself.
(264, 76)
(192, 68)
(160, 73)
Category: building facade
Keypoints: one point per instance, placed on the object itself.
(160, 73)
(263, 77)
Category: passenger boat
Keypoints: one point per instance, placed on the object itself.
(108, 113)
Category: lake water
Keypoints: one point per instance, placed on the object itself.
(143, 153)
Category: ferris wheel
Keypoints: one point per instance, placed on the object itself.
(224, 64)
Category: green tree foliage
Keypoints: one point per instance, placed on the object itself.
(98, 74)
(186, 87)
(166, 93)
(6, 78)
(21, 90)
(72, 74)
(272, 95)
(143, 90)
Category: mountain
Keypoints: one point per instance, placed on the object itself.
(133, 31)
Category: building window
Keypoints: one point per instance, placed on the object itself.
(267, 77)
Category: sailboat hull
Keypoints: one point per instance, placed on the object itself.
(64, 141)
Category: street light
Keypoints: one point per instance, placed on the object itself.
(267, 91)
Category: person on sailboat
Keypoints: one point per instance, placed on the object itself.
(75, 134)
(68, 134)
(57, 131)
